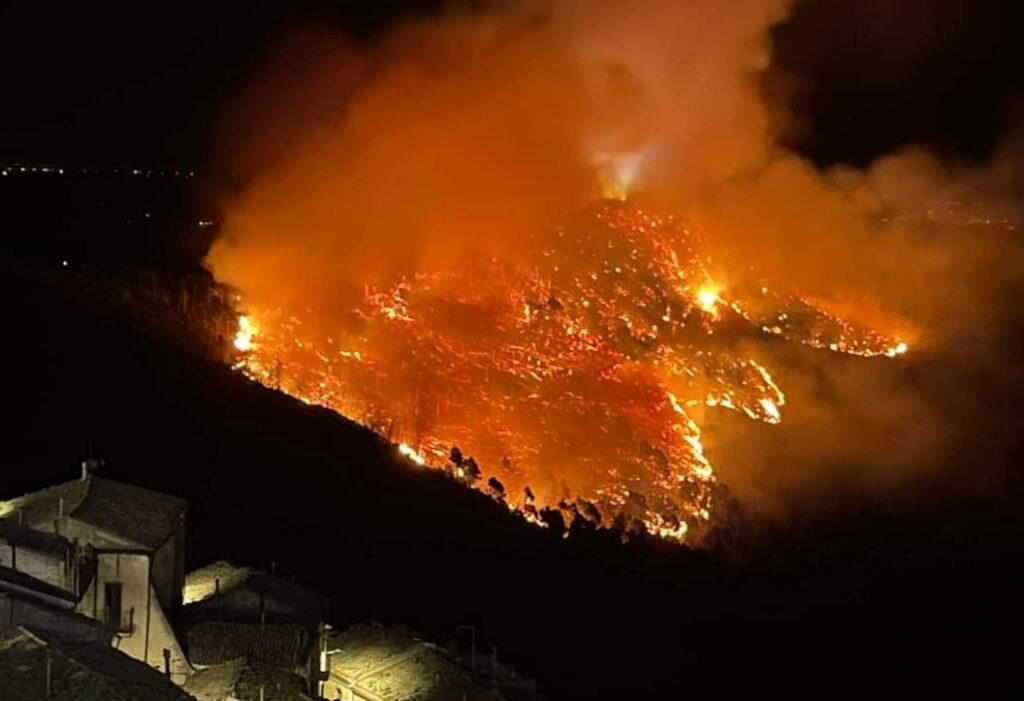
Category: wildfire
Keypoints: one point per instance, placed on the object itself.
(575, 379)
(707, 298)
(245, 334)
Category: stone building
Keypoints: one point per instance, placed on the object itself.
(117, 551)
(253, 635)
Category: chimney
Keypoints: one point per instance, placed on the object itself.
(90, 467)
(167, 663)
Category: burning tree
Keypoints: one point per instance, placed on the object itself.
(571, 374)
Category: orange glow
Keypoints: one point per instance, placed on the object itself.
(575, 378)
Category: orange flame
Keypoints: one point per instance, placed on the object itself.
(574, 380)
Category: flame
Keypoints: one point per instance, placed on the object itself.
(707, 298)
(245, 334)
(405, 450)
(576, 379)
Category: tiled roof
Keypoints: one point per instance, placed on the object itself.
(29, 610)
(216, 643)
(13, 580)
(23, 536)
(277, 684)
(140, 515)
(80, 670)
(240, 679)
(44, 505)
(202, 585)
(216, 682)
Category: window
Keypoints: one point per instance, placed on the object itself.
(112, 604)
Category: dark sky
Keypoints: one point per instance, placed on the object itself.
(104, 84)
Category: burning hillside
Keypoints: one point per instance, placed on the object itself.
(575, 376)
(397, 251)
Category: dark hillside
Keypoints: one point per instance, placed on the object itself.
(909, 592)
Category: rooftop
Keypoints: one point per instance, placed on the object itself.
(137, 514)
(23, 536)
(141, 515)
(17, 581)
(81, 670)
(396, 666)
(215, 643)
(222, 578)
(241, 679)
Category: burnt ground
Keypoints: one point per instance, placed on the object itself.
(915, 591)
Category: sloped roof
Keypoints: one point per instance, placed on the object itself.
(23, 536)
(29, 610)
(81, 670)
(396, 666)
(215, 643)
(15, 580)
(139, 515)
(216, 682)
(241, 679)
(44, 505)
(222, 578)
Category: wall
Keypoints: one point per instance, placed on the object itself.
(165, 577)
(44, 566)
(151, 634)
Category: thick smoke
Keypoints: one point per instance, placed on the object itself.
(451, 140)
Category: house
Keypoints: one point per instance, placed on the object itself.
(256, 634)
(38, 665)
(118, 550)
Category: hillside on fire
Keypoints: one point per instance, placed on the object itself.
(270, 478)
(461, 350)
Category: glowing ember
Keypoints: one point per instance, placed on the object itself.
(575, 379)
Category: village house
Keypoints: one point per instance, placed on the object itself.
(253, 635)
(107, 551)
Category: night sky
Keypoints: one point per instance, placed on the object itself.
(122, 84)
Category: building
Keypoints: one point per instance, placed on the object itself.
(253, 635)
(37, 665)
(116, 550)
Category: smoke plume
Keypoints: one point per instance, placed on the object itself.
(455, 140)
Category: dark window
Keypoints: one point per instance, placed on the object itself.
(112, 597)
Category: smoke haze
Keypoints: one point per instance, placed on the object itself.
(457, 139)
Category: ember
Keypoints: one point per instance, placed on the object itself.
(575, 376)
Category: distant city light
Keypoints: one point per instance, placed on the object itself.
(7, 169)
